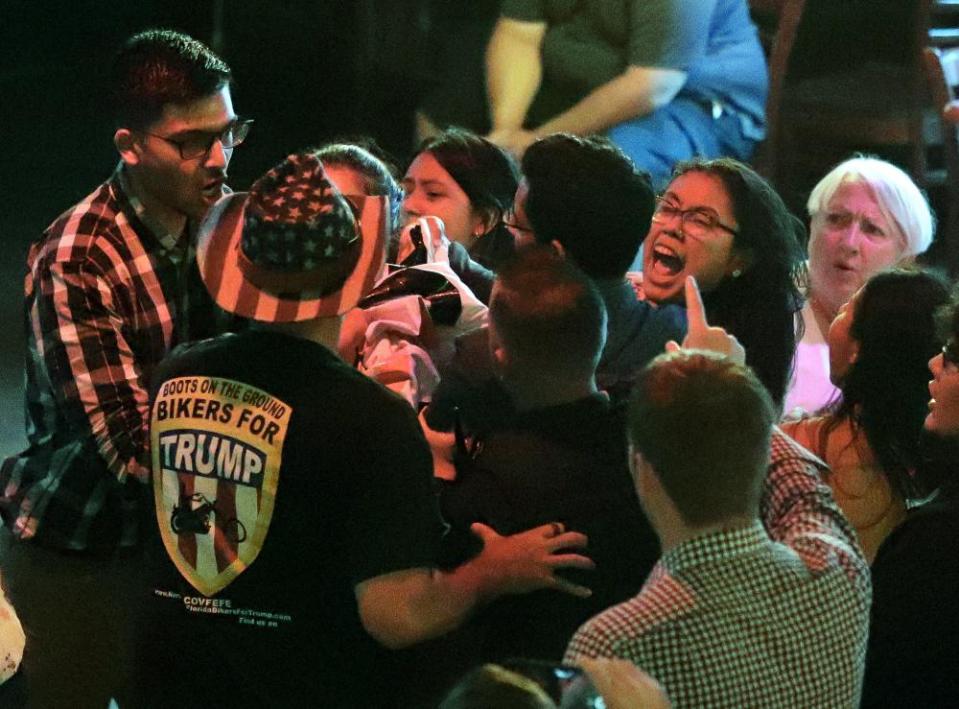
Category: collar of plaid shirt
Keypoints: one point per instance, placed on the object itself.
(168, 240)
(716, 546)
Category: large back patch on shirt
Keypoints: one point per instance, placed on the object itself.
(216, 449)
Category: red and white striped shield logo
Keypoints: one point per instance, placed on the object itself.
(217, 446)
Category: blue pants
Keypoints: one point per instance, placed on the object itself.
(679, 131)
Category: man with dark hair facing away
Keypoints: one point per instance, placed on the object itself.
(295, 526)
(761, 597)
(560, 456)
(111, 287)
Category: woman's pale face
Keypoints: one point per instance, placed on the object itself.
(843, 348)
(850, 241)
(669, 255)
(943, 417)
(431, 191)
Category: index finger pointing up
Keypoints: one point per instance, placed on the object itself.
(695, 311)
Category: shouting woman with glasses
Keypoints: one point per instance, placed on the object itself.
(721, 222)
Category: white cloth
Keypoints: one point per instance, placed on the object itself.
(12, 640)
(809, 385)
(402, 347)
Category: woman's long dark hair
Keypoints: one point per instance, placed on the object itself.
(489, 177)
(885, 393)
(760, 305)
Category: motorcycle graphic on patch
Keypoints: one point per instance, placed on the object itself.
(193, 515)
(216, 447)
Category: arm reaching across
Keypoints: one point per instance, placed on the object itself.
(623, 685)
(406, 607)
(637, 91)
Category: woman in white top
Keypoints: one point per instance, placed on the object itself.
(865, 215)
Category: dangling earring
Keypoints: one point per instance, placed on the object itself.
(737, 273)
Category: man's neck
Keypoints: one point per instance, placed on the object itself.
(540, 394)
(172, 221)
(674, 532)
(323, 331)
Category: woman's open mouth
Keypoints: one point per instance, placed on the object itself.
(665, 261)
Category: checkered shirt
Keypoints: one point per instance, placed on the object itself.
(105, 300)
(769, 615)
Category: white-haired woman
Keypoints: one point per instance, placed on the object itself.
(865, 215)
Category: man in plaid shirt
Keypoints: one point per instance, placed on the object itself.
(111, 287)
(761, 597)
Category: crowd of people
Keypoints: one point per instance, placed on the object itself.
(354, 437)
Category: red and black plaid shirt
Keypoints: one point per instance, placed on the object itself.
(106, 298)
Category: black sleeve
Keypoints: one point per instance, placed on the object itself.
(393, 521)
(477, 277)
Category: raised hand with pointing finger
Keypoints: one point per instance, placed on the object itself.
(700, 334)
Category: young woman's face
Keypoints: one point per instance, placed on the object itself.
(843, 348)
(670, 253)
(431, 191)
(943, 417)
(850, 240)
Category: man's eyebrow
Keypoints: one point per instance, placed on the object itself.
(204, 131)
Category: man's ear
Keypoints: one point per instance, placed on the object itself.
(853, 350)
(644, 477)
(127, 146)
(558, 248)
(497, 350)
(500, 356)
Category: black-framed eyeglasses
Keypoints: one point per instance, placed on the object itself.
(509, 221)
(695, 222)
(950, 353)
(196, 144)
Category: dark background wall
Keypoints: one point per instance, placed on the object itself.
(306, 70)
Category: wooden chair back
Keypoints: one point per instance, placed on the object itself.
(941, 67)
(778, 23)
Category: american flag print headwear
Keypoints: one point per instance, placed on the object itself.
(292, 248)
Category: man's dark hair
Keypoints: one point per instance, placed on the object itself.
(704, 424)
(159, 67)
(588, 195)
(548, 314)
